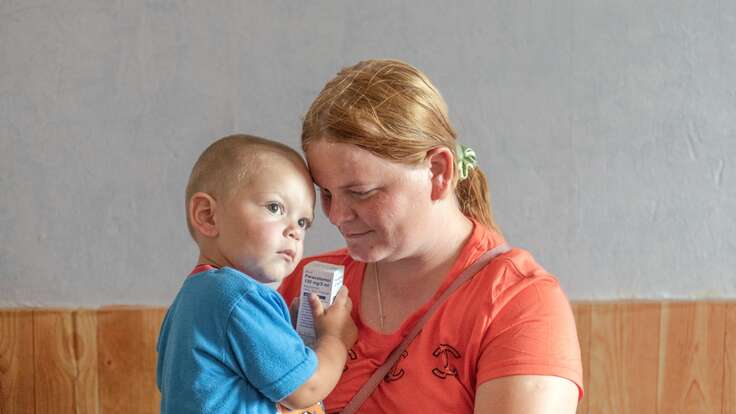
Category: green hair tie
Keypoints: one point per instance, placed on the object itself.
(466, 160)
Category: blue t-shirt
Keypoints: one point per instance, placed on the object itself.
(227, 346)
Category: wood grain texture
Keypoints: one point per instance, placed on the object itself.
(85, 346)
(64, 343)
(54, 362)
(624, 357)
(691, 358)
(729, 358)
(127, 359)
(582, 312)
(17, 395)
(668, 357)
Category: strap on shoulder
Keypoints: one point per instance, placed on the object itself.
(370, 385)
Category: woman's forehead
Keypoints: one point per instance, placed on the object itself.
(336, 149)
(337, 165)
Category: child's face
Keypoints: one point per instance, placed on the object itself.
(261, 226)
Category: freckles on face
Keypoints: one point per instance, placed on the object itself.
(378, 205)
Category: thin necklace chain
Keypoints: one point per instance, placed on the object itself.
(378, 292)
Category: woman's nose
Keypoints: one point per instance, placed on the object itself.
(339, 211)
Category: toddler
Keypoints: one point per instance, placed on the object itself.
(227, 344)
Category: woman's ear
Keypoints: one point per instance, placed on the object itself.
(441, 167)
(202, 214)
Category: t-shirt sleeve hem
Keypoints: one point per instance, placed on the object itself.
(526, 369)
(293, 379)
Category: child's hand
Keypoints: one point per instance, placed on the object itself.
(335, 320)
(294, 311)
(336, 333)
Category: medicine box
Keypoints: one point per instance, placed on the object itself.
(323, 279)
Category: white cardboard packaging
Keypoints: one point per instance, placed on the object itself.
(324, 280)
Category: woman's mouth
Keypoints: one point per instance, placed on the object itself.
(355, 235)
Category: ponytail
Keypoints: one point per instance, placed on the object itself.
(392, 110)
(474, 198)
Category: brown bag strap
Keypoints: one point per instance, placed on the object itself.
(370, 385)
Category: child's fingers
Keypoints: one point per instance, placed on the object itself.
(294, 310)
(317, 308)
(342, 298)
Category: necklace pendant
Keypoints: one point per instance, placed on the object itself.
(381, 317)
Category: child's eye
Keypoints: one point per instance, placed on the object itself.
(275, 208)
(304, 223)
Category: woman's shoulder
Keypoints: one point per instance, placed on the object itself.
(513, 272)
(523, 264)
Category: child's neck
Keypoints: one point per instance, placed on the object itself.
(214, 260)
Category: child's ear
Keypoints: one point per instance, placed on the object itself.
(202, 214)
(441, 168)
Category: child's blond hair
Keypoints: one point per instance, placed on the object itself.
(228, 163)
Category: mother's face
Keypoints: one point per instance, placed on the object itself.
(380, 207)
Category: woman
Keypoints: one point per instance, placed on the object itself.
(414, 210)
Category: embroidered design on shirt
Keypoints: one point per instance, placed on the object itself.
(445, 351)
(352, 356)
(395, 372)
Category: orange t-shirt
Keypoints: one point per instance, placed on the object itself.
(511, 318)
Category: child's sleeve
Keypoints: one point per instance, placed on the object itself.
(265, 348)
(291, 286)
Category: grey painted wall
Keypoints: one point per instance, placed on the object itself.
(608, 129)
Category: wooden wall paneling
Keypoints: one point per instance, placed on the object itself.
(729, 358)
(127, 359)
(582, 322)
(17, 394)
(691, 358)
(54, 366)
(673, 357)
(64, 361)
(85, 346)
(624, 357)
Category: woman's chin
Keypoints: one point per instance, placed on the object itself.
(365, 254)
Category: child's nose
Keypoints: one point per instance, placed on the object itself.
(293, 231)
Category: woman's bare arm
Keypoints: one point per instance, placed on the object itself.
(528, 394)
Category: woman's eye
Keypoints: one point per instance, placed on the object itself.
(304, 223)
(362, 193)
(275, 208)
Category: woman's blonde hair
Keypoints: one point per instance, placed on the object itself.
(393, 110)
